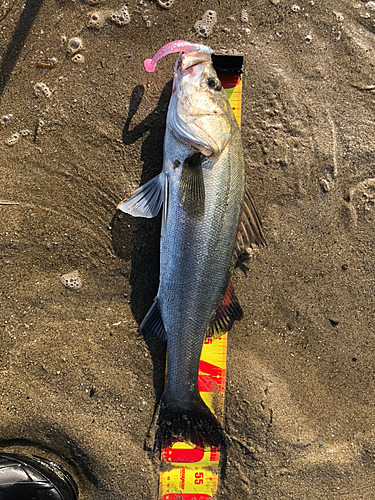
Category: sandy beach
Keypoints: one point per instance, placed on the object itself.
(81, 127)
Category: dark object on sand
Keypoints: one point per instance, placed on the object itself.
(26, 478)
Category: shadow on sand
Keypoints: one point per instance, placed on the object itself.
(137, 239)
(13, 51)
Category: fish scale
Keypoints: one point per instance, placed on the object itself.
(194, 278)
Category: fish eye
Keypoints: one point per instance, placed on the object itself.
(214, 84)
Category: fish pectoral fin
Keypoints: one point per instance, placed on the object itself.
(191, 192)
(152, 324)
(250, 230)
(227, 313)
(146, 200)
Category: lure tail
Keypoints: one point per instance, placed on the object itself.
(191, 422)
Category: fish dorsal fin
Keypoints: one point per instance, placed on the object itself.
(146, 200)
(152, 324)
(227, 313)
(250, 230)
(191, 192)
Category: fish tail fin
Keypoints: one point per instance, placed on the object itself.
(191, 422)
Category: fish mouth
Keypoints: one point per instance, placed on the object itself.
(191, 59)
(186, 62)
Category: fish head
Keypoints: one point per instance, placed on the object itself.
(199, 112)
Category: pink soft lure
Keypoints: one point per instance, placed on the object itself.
(170, 48)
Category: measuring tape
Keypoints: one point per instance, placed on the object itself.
(188, 472)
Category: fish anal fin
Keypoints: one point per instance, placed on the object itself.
(191, 190)
(227, 313)
(250, 230)
(152, 324)
(146, 200)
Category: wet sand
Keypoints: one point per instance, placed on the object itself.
(77, 384)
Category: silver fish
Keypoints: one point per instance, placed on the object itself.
(208, 219)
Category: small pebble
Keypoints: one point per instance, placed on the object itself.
(41, 88)
(78, 59)
(6, 119)
(12, 140)
(72, 280)
(166, 4)
(244, 16)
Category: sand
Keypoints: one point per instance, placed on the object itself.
(77, 384)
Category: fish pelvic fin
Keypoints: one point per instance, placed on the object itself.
(227, 313)
(192, 422)
(250, 230)
(152, 324)
(147, 199)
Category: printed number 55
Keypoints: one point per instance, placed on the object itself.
(199, 478)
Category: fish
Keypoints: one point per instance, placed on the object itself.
(208, 220)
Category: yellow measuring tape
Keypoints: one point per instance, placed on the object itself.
(188, 472)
